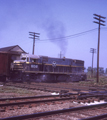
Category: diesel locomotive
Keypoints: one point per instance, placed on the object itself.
(46, 69)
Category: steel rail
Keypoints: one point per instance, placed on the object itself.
(31, 97)
(93, 95)
(31, 102)
(47, 86)
(40, 114)
(98, 117)
(80, 95)
(78, 90)
(35, 97)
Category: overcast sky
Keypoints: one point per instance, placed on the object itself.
(71, 21)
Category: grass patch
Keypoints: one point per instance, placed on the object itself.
(93, 82)
(10, 89)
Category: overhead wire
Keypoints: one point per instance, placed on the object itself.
(65, 37)
(70, 36)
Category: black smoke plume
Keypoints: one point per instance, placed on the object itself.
(56, 33)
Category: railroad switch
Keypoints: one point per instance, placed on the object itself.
(63, 93)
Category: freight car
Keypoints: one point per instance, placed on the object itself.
(47, 69)
(6, 58)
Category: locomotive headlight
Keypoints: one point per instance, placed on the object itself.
(16, 62)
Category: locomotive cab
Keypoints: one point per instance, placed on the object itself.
(22, 67)
(30, 58)
(27, 62)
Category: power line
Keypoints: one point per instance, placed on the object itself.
(67, 37)
(70, 36)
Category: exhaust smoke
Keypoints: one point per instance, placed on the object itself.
(56, 33)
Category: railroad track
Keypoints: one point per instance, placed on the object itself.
(46, 87)
(77, 113)
(11, 104)
(20, 99)
(73, 97)
(15, 103)
(77, 96)
(90, 95)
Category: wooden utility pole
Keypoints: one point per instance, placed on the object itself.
(35, 36)
(92, 50)
(99, 18)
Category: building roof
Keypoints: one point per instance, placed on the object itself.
(15, 48)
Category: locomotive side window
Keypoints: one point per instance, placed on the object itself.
(34, 60)
(23, 58)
